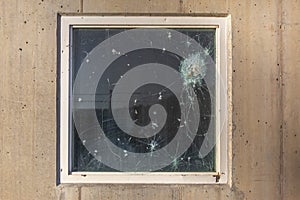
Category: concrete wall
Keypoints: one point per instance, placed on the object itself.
(266, 101)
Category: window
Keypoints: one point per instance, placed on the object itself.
(143, 99)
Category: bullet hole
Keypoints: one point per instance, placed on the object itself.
(247, 141)
(295, 135)
(277, 64)
(296, 152)
(25, 22)
(43, 29)
(255, 4)
(20, 49)
(77, 10)
(249, 191)
(277, 79)
(193, 68)
(266, 122)
(234, 70)
(61, 6)
(26, 42)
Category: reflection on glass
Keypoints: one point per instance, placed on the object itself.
(153, 101)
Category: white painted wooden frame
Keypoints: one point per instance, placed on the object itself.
(223, 106)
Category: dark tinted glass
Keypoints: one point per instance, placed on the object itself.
(143, 100)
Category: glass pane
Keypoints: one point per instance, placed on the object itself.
(143, 100)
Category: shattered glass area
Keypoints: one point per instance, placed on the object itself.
(193, 69)
(137, 129)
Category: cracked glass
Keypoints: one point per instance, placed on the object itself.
(143, 99)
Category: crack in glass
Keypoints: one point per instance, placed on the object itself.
(144, 100)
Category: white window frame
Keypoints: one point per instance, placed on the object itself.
(223, 62)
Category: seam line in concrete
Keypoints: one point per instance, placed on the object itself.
(280, 65)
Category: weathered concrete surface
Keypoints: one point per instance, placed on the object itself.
(256, 99)
(265, 99)
(28, 97)
(291, 98)
(154, 6)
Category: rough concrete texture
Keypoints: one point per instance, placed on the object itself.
(290, 61)
(266, 74)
